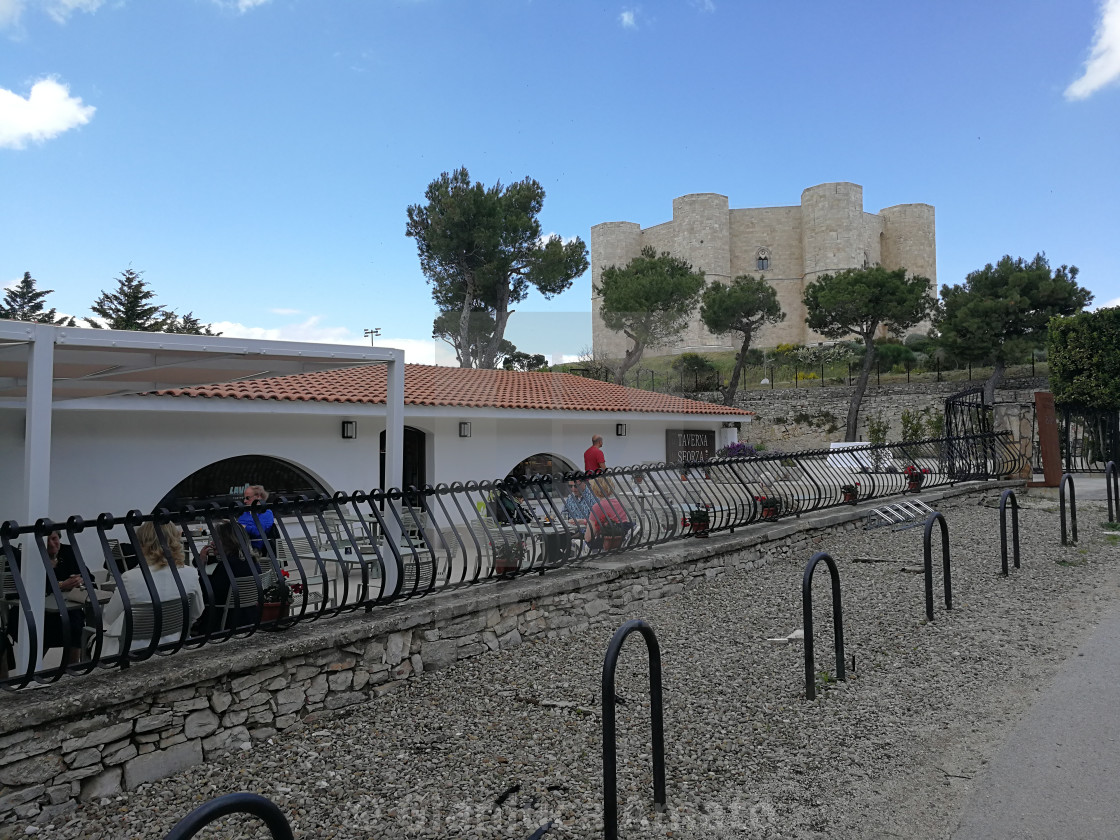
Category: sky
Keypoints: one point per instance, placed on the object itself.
(255, 158)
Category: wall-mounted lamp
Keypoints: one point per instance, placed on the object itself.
(464, 429)
(620, 429)
(349, 429)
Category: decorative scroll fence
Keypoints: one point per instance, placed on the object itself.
(357, 551)
(1087, 439)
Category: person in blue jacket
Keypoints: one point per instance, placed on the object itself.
(256, 493)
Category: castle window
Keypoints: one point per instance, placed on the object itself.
(763, 259)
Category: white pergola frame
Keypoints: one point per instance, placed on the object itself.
(42, 365)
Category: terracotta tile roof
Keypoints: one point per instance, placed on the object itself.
(447, 386)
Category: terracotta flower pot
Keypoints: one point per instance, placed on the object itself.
(274, 610)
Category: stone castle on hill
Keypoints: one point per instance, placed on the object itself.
(789, 246)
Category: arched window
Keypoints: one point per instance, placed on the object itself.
(223, 481)
(763, 259)
(543, 463)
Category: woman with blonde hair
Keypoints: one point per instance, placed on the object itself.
(163, 586)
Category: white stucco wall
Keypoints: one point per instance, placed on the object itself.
(498, 443)
(114, 457)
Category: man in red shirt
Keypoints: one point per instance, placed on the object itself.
(593, 458)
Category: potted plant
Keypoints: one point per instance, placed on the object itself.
(507, 557)
(914, 478)
(612, 533)
(850, 493)
(769, 506)
(699, 520)
(276, 600)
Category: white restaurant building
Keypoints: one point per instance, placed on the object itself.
(96, 421)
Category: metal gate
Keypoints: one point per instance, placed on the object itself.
(1088, 438)
(967, 415)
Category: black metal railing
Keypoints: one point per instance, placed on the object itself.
(328, 555)
(1088, 438)
(967, 415)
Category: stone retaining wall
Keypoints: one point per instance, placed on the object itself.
(89, 737)
(823, 408)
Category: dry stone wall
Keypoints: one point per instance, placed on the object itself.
(85, 738)
(812, 417)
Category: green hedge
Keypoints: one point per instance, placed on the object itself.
(1084, 354)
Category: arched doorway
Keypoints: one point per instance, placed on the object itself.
(224, 480)
(543, 463)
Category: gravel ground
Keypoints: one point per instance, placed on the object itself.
(500, 745)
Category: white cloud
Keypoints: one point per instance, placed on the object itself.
(704, 5)
(1108, 304)
(61, 10)
(566, 240)
(10, 11)
(241, 6)
(48, 111)
(1103, 66)
(629, 19)
(416, 351)
(285, 311)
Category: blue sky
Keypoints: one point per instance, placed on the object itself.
(255, 159)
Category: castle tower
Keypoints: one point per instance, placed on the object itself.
(701, 234)
(832, 229)
(834, 236)
(612, 243)
(908, 241)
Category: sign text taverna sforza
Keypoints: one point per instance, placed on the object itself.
(688, 445)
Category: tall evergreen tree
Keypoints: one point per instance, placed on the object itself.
(1001, 311)
(24, 302)
(189, 325)
(482, 250)
(132, 307)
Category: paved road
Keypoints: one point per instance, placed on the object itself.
(1058, 774)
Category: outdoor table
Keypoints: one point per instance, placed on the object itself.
(555, 538)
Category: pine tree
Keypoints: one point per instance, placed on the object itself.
(24, 302)
(130, 307)
(188, 325)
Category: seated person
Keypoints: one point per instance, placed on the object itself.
(510, 508)
(164, 587)
(64, 566)
(226, 535)
(606, 509)
(256, 493)
(578, 502)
